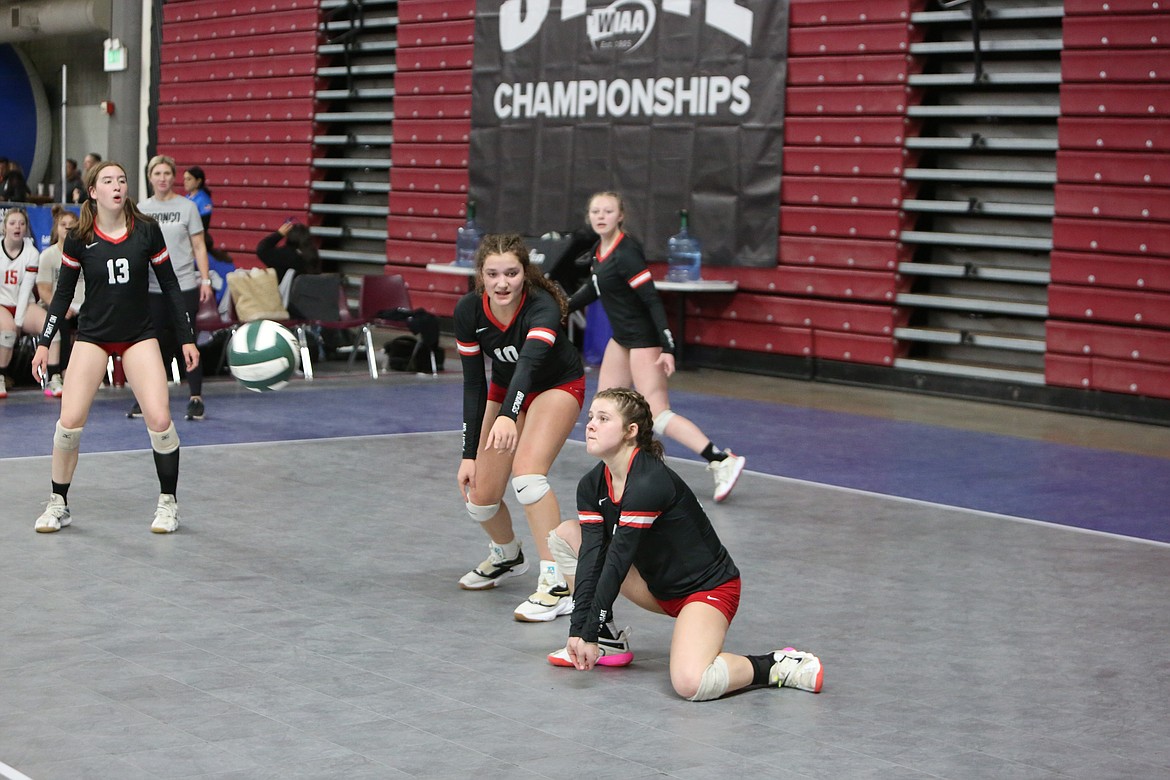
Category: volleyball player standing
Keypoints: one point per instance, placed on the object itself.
(114, 248)
(516, 425)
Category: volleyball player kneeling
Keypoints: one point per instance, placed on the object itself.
(641, 530)
(114, 247)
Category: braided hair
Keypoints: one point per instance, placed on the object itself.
(635, 410)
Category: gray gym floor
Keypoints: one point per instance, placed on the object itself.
(305, 623)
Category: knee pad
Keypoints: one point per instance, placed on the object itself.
(530, 488)
(67, 438)
(164, 442)
(7, 339)
(714, 681)
(482, 513)
(661, 421)
(563, 554)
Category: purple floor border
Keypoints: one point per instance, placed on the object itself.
(1086, 488)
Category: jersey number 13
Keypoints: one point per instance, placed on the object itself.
(119, 270)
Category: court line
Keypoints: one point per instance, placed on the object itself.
(682, 460)
(12, 774)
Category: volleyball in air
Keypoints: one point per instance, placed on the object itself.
(263, 355)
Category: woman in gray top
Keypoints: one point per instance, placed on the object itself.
(183, 231)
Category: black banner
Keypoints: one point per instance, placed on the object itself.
(675, 104)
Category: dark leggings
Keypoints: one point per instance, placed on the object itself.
(168, 340)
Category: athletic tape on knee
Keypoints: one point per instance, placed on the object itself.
(714, 682)
(482, 513)
(7, 339)
(530, 488)
(563, 554)
(164, 442)
(661, 421)
(67, 438)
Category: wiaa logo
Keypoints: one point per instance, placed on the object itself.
(623, 24)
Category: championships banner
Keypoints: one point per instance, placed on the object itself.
(675, 104)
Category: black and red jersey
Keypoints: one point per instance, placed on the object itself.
(116, 277)
(530, 354)
(626, 288)
(657, 525)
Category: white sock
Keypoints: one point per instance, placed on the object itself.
(511, 549)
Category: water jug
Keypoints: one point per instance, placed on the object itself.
(683, 254)
(468, 238)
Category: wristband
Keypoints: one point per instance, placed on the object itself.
(206, 282)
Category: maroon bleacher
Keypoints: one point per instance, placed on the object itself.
(236, 97)
(432, 131)
(1109, 300)
(842, 191)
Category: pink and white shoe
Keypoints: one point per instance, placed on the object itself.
(614, 652)
(796, 669)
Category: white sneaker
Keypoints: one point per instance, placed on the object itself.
(726, 473)
(796, 669)
(3, 387)
(166, 516)
(55, 517)
(550, 601)
(614, 652)
(55, 387)
(494, 570)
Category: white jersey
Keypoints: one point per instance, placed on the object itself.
(179, 220)
(18, 276)
(50, 270)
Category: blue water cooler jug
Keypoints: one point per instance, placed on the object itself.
(467, 239)
(683, 254)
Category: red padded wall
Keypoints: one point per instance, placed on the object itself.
(236, 98)
(1109, 302)
(432, 133)
(841, 196)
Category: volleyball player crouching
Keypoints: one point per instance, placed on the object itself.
(516, 425)
(113, 247)
(642, 531)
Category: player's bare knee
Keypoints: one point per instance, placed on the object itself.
(67, 439)
(530, 488)
(481, 513)
(166, 441)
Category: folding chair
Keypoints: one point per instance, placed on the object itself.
(387, 293)
(344, 320)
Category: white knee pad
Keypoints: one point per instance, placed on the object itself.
(563, 554)
(714, 681)
(482, 513)
(530, 488)
(661, 421)
(164, 442)
(7, 339)
(67, 438)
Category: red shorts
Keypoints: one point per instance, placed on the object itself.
(576, 388)
(114, 348)
(11, 310)
(724, 598)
